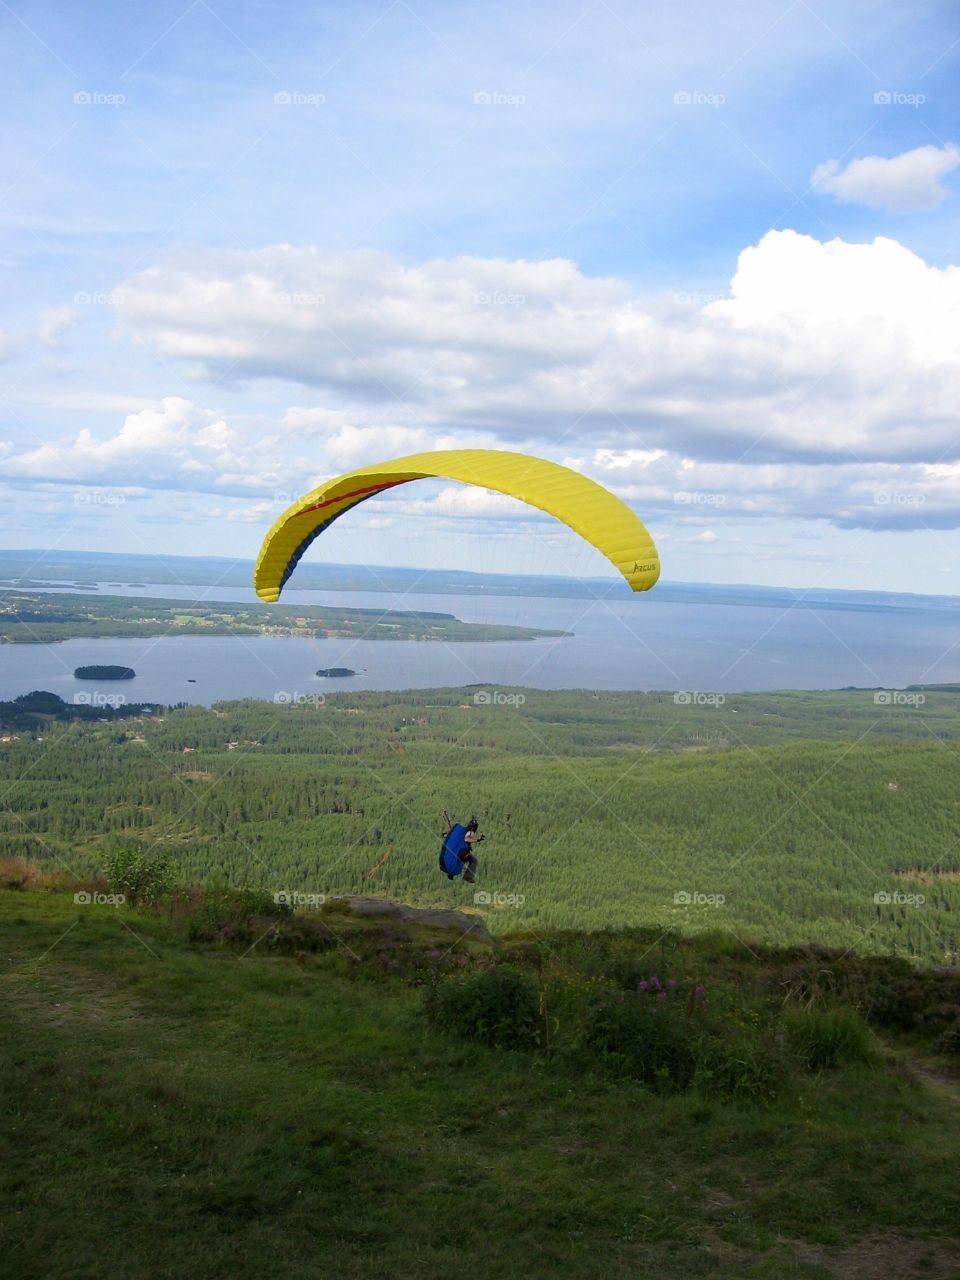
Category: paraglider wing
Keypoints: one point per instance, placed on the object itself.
(582, 504)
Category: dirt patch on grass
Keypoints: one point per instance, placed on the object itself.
(888, 1257)
(39, 991)
(943, 1078)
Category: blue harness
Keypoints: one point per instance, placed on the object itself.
(453, 845)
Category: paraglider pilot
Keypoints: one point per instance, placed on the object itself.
(456, 852)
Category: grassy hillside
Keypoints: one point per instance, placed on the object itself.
(783, 815)
(224, 1111)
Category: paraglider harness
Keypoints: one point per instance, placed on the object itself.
(456, 852)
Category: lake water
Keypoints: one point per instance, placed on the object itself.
(618, 643)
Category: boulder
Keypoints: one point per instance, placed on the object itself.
(434, 917)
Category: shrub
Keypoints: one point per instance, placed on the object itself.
(498, 1007)
(223, 915)
(662, 1034)
(897, 1004)
(141, 878)
(290, 936)
(749, 1070)
(17, 873)
(827, 1038)
(647, 1034)
(948, 1041)
(223, 903)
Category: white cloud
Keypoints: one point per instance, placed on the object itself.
(468, 501)
(352, 446)
(823, 387)
(83, 400)
(822, 350)
(54, 323)
(906, 183)
(173, 444)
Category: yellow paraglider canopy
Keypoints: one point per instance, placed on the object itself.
(582, 504)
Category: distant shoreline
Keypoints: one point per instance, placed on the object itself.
(110, 569)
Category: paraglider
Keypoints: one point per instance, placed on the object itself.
(586, 507)
(456, 852)
(582, 504)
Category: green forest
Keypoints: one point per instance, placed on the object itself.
(785, 817)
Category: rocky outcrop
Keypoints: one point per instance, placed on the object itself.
(434, 917)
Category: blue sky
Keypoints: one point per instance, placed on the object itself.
(704, 255)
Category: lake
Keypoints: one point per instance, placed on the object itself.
(617, 643)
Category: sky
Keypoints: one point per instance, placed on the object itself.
(705, 254)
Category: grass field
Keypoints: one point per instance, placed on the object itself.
(174, 1112)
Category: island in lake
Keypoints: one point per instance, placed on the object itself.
(104, 673)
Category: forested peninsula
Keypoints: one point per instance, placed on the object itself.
(42, 617)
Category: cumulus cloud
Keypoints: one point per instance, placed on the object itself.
(824, 384)
(173, 444)
(849, 495)
(469, 502)
(906, 183)
(820, 351)
(352, 446)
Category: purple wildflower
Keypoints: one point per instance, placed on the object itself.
(642, 986)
